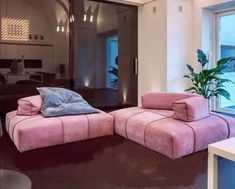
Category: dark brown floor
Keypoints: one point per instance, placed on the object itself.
(110, 162)
(106, 99)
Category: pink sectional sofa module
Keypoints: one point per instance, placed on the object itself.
(35, 131)
(156, 126)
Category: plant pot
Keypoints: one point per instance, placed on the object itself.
(20, 68)
(13, 67)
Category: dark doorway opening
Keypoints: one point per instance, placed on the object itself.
(105, 53)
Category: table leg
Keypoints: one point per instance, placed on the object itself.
(212, 171)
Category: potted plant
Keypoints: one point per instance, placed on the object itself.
(114, 71)
(208, 82)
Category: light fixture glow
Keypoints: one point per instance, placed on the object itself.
(58, 28)
(91, 18)
(71, 18)
(85, 18)
(87, 82)
(15, 29)
(62, 28)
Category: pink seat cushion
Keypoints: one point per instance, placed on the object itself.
(191, 109)
(29, 105)
(162, 101)
(32, 132)
(159, 131)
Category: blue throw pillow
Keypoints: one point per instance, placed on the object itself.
(61, 102)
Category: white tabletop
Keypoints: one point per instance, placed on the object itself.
(225, 148)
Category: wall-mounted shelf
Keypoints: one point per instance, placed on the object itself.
(27, 44)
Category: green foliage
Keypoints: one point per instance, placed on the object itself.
(114, 71)
(208, 82)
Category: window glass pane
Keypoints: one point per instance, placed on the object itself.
(227, 49)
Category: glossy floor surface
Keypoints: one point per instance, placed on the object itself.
(110, 162)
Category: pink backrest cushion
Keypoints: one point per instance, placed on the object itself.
(162, 101)
(29, 105)
(191, 109)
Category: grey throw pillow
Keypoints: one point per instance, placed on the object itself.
(61, 102)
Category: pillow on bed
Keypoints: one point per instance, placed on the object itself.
(191, 109)
(29, 105)
(61, 102)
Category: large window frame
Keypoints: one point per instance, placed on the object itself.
(218, 52)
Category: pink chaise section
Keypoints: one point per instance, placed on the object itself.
(159, 131)
(32, 132)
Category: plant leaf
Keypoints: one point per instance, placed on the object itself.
(202, 57)
(190, 68)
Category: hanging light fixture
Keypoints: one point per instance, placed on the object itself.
(85, 18)
(91, 18)
(58, 28)
(72, 18)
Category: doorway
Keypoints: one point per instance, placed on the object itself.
(112, 62)
(105, 53)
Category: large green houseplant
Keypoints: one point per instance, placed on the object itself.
(208, 82)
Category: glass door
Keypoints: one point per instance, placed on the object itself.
(226, 48)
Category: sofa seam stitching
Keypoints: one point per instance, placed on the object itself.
(62, 129)
(228, 125)
(13, 130)
(129, 119)
(146, 126)
(88, 126)
(194, 134)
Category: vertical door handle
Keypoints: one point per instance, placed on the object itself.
(135, 71)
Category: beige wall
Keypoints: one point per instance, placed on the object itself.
(179, 42)
(152, 47)
(168, 40)
(107, 19)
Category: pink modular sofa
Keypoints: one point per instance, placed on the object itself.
(173, 124)
(29, 130)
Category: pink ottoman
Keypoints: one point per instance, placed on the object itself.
(159, 131)
(32, 132)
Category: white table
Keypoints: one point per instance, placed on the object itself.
(14, 180)
(225, 149)
(13, 78)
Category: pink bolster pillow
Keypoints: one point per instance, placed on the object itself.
(29, 105)
(191, 109)
(163, 101)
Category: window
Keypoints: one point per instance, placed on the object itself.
(226, 48)
(14, 29)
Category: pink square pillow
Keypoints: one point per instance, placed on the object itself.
(29, 105)
(191, 109)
